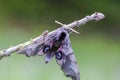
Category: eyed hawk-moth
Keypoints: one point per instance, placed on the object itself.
(57, 44)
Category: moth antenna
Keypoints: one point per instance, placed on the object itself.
(64, 25)
(59, 23)
(74, 31)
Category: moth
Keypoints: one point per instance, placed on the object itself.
(57, 44)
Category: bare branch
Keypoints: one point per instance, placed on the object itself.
(55, 43)
(40, 39)
(7, 52)
(94, 17)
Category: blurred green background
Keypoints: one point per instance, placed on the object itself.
(97, 48)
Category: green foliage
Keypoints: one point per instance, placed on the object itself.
(45, 9)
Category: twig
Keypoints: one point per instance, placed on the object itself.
(94, 17)
(7, 52)
(40, 39)
(55, 43)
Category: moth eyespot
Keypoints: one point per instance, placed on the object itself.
(46, 49)
(58, 55)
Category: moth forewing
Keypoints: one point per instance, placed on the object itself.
(74, 63)
(68, 62)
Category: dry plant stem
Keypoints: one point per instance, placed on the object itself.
(94, 17)
(40, 39)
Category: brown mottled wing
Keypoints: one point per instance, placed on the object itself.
(36, 48)
(68, 62)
